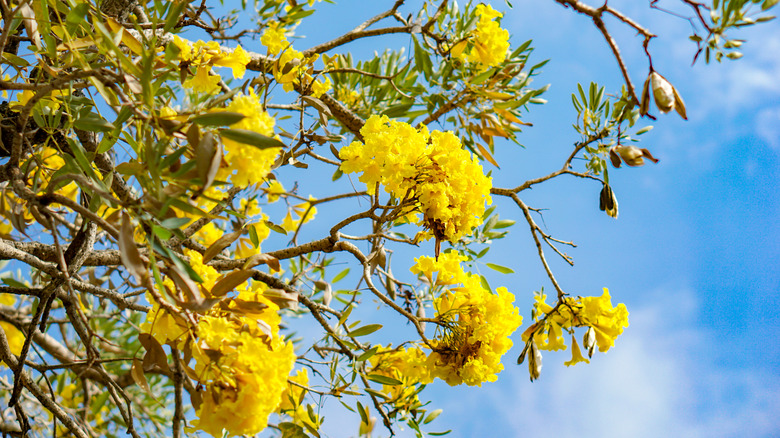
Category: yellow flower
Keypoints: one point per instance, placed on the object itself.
(608, 321)
(204, 55)
(242, 403)
(163, 326)
(576, 354)
(273, 38)
(292, 396)
(447, 266)
(13, 335)
(185, 49)
(348, 96)
(236, 60)
(304, 212)
(481, 322)
(274, 190)
(203, 82)
(243, 367)
(318, 88)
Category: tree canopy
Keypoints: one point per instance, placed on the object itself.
(209, 225)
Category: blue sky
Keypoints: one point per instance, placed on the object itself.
(693, 254)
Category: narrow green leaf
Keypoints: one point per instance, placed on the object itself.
(645, 129)
(251, 138)
(219, 118)
(340, 276)
(93, 123)
(368, 354)
(499, 268)
(384, 380)
(365, 330)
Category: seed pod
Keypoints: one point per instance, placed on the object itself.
(535, 362)
(666, 96)
(631, 155)
(608, 202)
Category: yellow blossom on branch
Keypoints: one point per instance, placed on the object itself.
(248, 164)
(431, 170)
(477, 325)
(490, 42)
(205, 55)
(604, 321)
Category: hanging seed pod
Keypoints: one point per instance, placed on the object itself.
(608, 202)
(665, 95)
(631, 155)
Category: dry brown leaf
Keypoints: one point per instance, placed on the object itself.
(220, 244)
(129, 253)
(230, 281)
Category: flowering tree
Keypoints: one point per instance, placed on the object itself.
(160, 187)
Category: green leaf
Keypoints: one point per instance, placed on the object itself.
(251, 138)
(93, 123)
(175, 222)
(645, 129)
(503, 223)
(219, 118)
(275, 227)
(10, 281)
(15, 60)
(365, 330)
(77, 14)
(432, 416)
(363, 412)
(340, 276)
(368, 354)
(161, 232)
(483, 281)
(439, 433)
(499, 268)
(384, 380)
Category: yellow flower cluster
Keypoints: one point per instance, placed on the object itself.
(604, 321)
(407, 365)
(240, 358)
(246, 374)
(205, 55)
(431, 169)
(248, 164)
(481, 323)
(477, 323)
(292, 68)
(490, 41)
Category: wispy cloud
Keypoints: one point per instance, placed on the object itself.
(768, 127)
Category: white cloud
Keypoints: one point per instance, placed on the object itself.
(768, 127)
